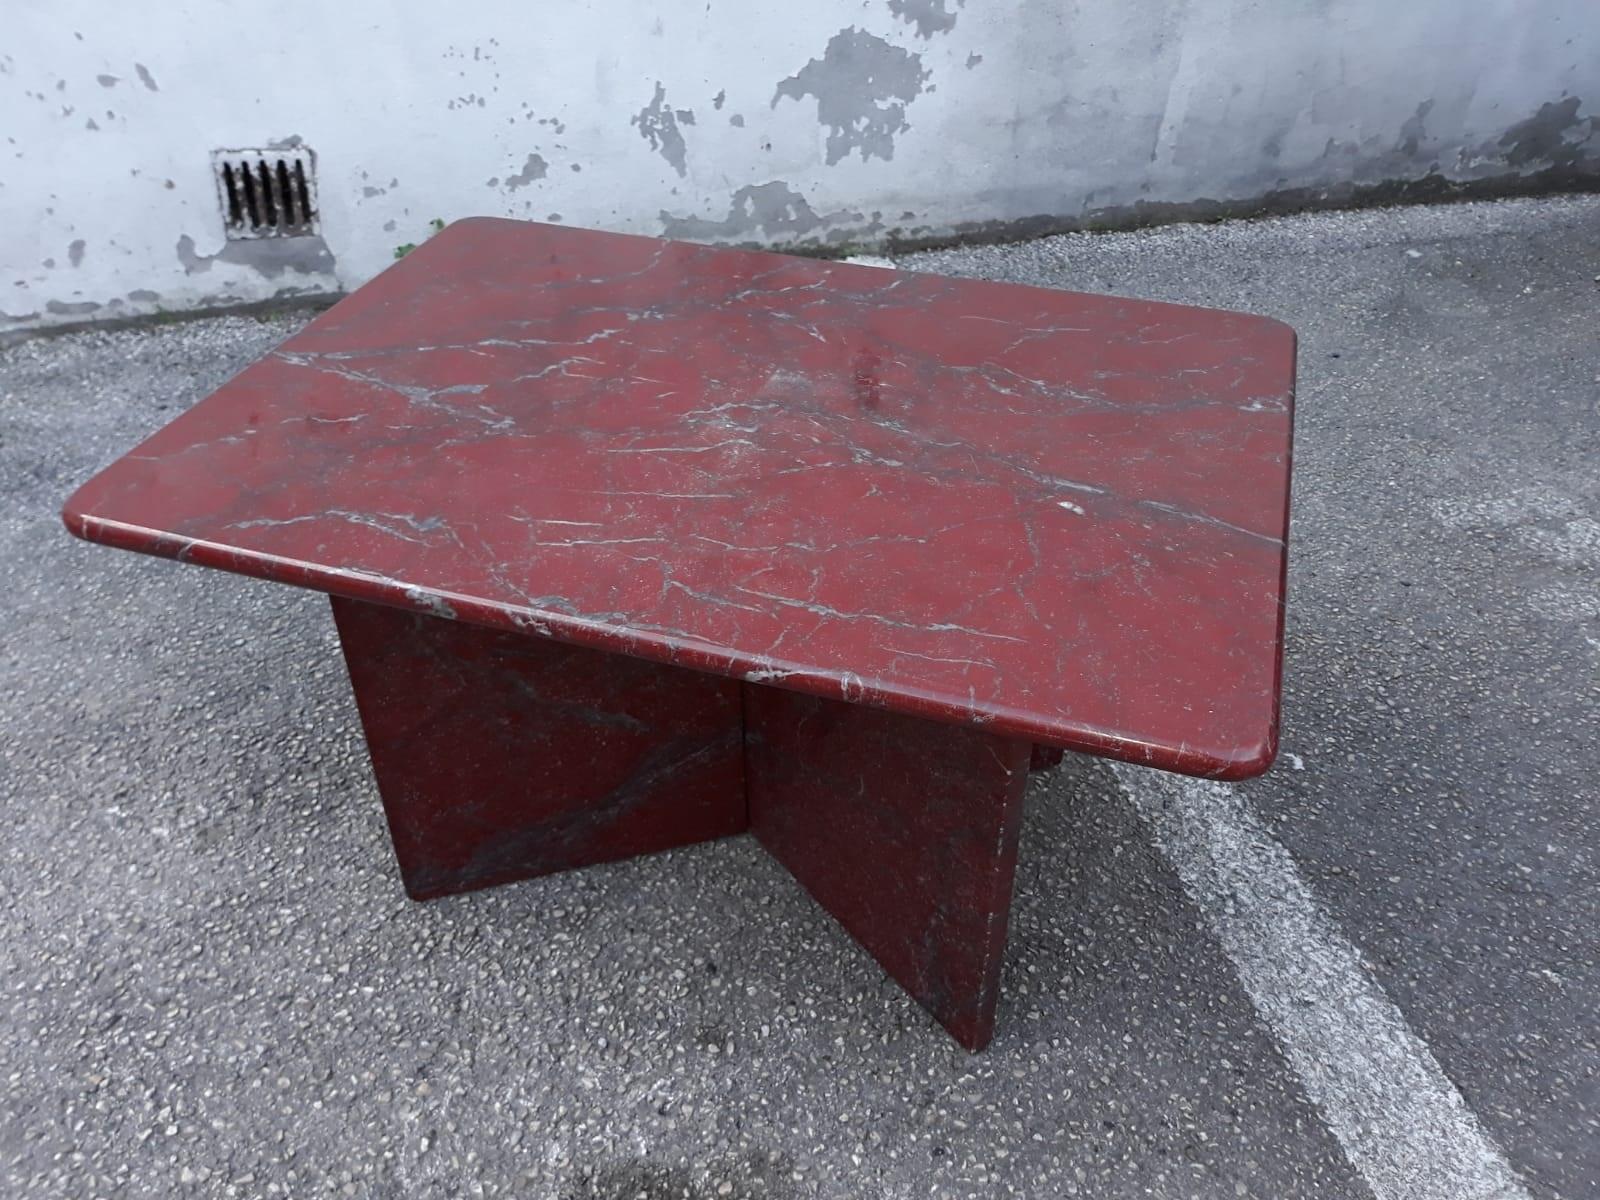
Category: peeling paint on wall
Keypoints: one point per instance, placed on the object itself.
(658, 125)
(1414, 132)
(269, 257)
(80, 308)
(929, 16)
(862, 85)
(534, 168)
(1081, 116)
(1556, 134)
(769, 210)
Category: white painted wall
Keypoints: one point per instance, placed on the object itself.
(835, 120)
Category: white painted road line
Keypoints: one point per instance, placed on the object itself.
(1402, 1123)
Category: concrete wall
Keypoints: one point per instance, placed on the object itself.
(830, 122)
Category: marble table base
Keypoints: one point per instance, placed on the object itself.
(501, 757)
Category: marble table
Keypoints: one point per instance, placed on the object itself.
(634, 543)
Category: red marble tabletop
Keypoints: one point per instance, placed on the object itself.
(1059, 516)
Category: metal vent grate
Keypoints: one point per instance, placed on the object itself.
(267, 193)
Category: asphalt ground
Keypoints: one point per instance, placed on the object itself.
(1373, 972)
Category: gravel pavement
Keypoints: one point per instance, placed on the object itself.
(211, 983)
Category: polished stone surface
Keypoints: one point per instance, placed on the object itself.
(904, 831)
(501, 757)
(1057, 516)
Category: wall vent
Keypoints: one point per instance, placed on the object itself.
(267, 193)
